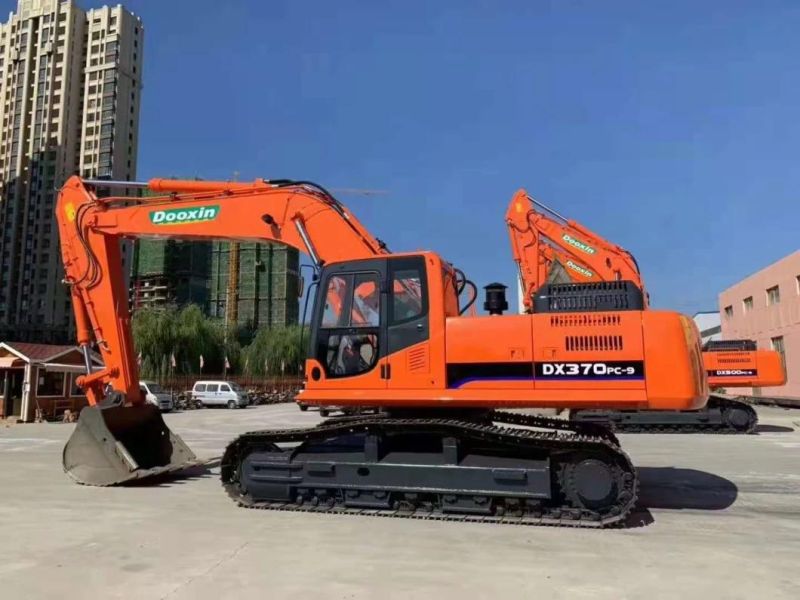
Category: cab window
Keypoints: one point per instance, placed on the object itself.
(348, 336)
(365, 311)
(200, 387)
(451, 308)
(349, 355)
(335, 298)
(408, 299)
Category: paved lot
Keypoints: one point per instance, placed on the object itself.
(720, 519)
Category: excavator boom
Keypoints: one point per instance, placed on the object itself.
(536, 232)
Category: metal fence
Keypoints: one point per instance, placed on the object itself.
(259, 384)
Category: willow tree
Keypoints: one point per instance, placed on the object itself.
(154, 338)
(187, 334)
(276, 351)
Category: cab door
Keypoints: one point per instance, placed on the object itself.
(349, 340)
(408, 324)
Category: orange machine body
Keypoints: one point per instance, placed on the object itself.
(538, 239)
(740, 368)
(405, 344)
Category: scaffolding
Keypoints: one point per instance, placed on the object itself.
(170, 272)
(266, 293)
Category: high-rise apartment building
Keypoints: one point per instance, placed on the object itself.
(70, 82)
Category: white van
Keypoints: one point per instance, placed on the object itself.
(220, 393)
(156, 395)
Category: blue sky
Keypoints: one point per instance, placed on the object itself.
(671, 128)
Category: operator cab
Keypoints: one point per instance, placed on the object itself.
(365, 310)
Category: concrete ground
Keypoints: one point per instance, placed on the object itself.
(719, 519)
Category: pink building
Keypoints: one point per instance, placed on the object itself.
(765, 307)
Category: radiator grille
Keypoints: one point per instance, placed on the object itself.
(734, 360)
(607, 343)
(584, 319)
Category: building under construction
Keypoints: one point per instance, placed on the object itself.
(170, 273)
(177, 273)
(268, 283)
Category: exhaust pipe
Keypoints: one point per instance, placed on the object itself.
(114, 445)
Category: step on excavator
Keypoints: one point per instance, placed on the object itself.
(386, 331)
(556, 254)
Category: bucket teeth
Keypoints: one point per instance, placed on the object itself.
(119, 444)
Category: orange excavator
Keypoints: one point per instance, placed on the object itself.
(549, 248)
(439, 447)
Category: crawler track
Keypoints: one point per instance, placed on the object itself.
(258, 473)
(721, 416)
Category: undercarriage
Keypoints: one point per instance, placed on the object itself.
(721, 415)
(498, 467)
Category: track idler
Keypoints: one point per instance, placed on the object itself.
(113, 445)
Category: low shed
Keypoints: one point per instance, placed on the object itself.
(40, 379)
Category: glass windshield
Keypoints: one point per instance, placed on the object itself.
(352, 301)
(155, 388)
(334, 302)
(236, 387)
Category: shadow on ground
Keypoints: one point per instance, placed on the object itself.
(200, 471)
(676, 488)
(672, 488)
(773, 429)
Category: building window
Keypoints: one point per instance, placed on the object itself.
(777, 345)
(75, 389)
(797, 281)
(773, 295)
(50, 384)
(747, 304)
(729, 312)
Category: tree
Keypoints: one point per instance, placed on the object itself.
(155, 335)
(272, 348)
(188, 334)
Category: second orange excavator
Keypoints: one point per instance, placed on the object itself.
(387, 331)
(553, 250)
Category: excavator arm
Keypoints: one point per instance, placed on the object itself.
(121, 438)
(539, 235)
(91, 228)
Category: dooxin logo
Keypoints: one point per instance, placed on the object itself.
(578, 244)
(585, 272)
(184, 216)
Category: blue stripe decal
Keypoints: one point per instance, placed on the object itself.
(461, 382)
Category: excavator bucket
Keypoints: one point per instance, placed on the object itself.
(120, 444)
(558, 274)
